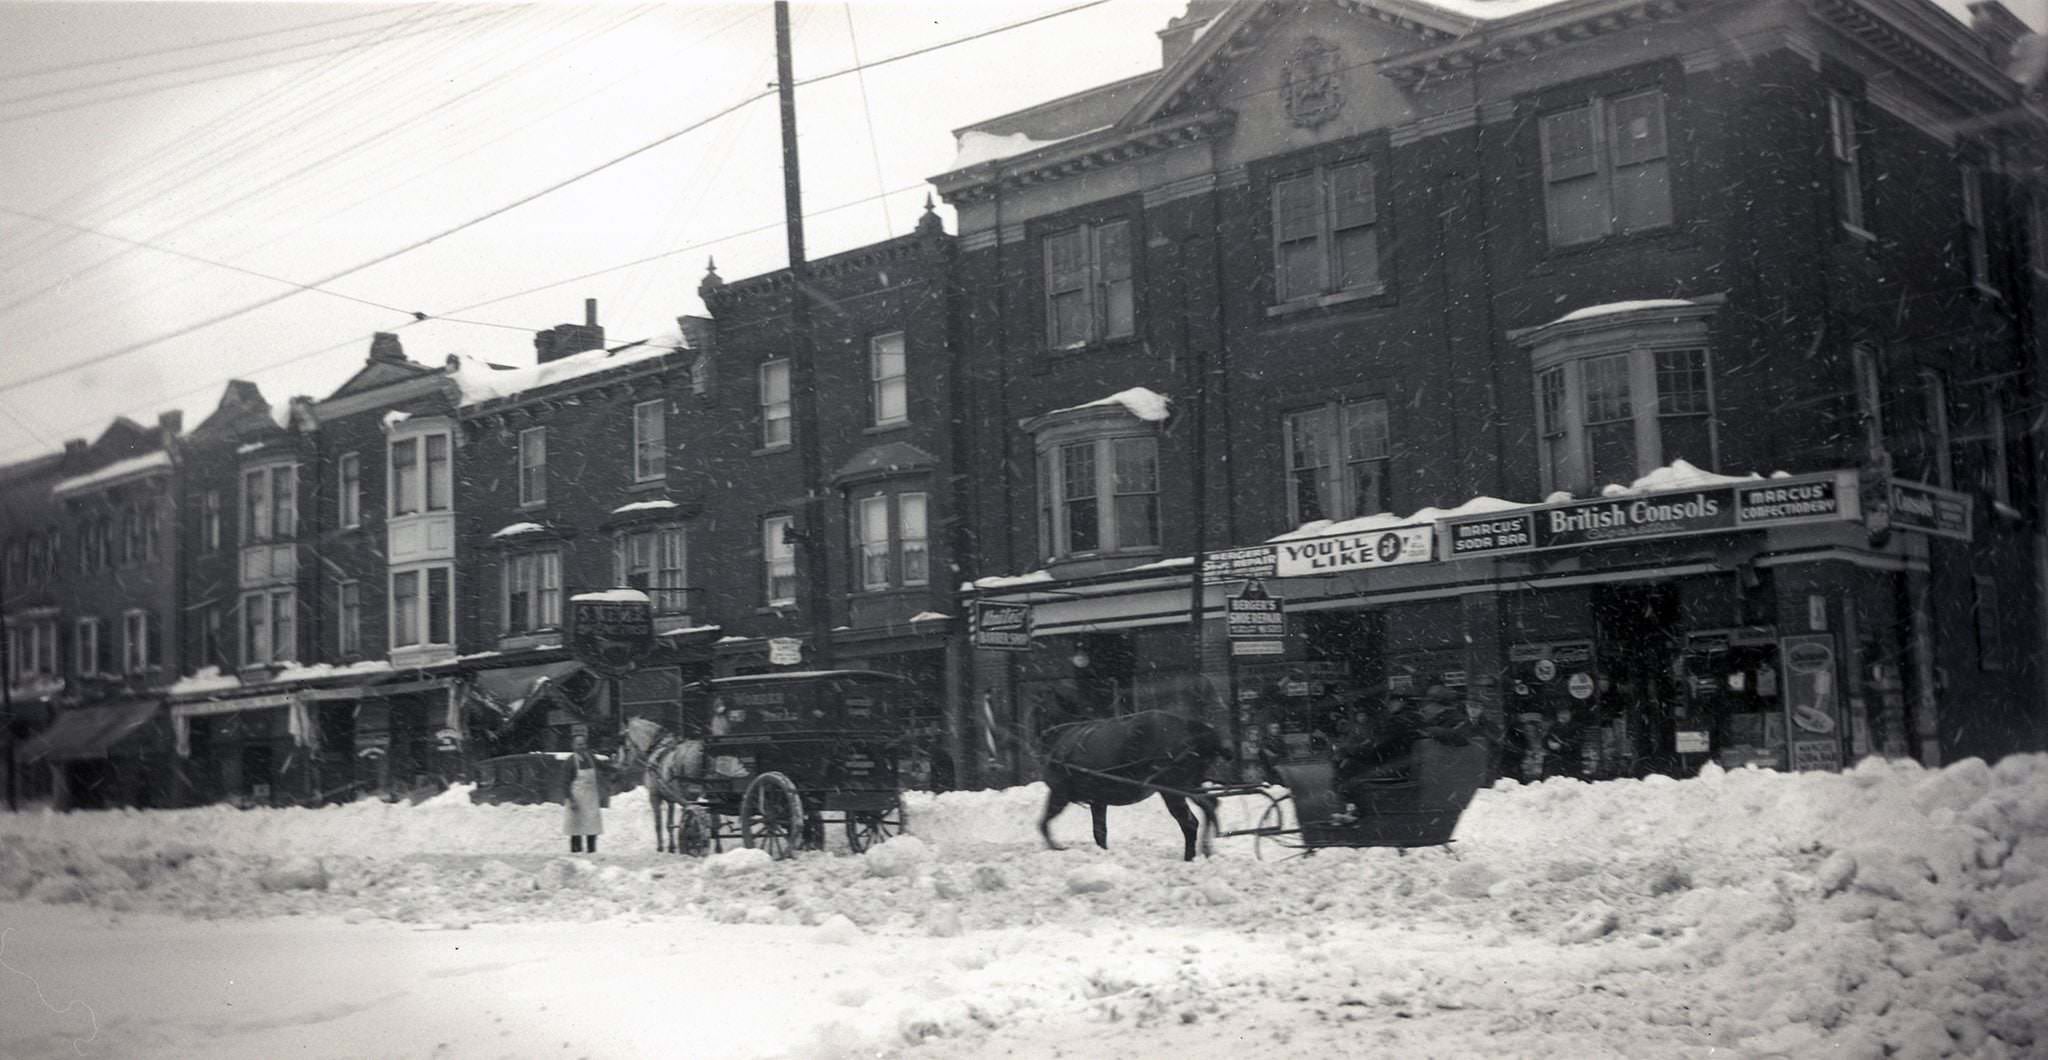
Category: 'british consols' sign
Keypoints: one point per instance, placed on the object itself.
(1768, 502)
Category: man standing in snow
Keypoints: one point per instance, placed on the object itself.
(582, 817)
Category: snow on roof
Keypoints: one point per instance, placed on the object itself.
(1388, 520)
(613, 596)
(694, 629)
(394, 418)
(642, 506)
(246, 448)
(1678, 475)
(119, 469)
(974, 147)
(930, 616)
(1621, 307)
(517, 529)
(1149, 405)
(206, 679)
(1490, 10)
(1037, 577)
(480, 382)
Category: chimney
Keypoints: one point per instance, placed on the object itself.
(74, 449)
(1181, 32)
(565, 339)
(171, 423)
(384, 346)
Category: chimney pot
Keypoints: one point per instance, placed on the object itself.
(590, 312)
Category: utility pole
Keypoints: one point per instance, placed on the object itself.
(7, 702)
(803, 374)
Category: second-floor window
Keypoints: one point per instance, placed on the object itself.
(421, 607)
(420, 474)
(888, 389)
(1613, 417)
(269, 504)
(1098, 496)
(891, 541)
(1933, 465)
(533, 463)
(348, 598)
(349, 470)
(270, 627)
(1605, 170)
(1975, 241)
(1337, 459)
(31, 650)
(138, 642)
(775, 405)
(652, 559)
(209, 521)
(533, 591)
(212, 639)
(1325, 233)
(1842, 156)
(1090, 296)
(131, 536)
(650, 441)
(778, 560)
(85, 646)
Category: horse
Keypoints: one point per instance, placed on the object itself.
(670, 768)
(1125, 760)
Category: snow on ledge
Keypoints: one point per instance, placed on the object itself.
(1612, 308)
(930, 616)
(517, 529)
(206, 679)
(394, 418)
(1148, 405)
(115, 471)
(612, 596)
(643, 506)
(1679, 475)
(974, 147)
(1000, 581)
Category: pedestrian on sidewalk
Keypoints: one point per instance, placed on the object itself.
(582, 816)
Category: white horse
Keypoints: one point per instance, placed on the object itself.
(671, 768)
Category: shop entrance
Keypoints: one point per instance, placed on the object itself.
(1638, 707)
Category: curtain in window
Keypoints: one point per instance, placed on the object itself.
(1642, 179)
(874, 542)
(775, 407)
(1610, 420)
(910, 523)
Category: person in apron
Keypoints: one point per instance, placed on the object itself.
(582, 819)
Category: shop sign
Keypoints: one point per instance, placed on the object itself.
(1692, 743)
(785, 651)
(1943, 513)
(1338, 553)
(447, 740)
(1581, 685)
(1813, 713)
(1680, 513)
(1000, 626)
(1255, 620)
(1255, 561)
(372, 744)
(611, 631)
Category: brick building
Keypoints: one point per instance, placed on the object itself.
(1409, 258)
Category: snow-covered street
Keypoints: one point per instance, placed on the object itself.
(1885, 911)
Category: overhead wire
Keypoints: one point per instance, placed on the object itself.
(63, 68)
(868, 111)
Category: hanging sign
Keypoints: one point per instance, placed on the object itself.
(611, 631)
(1256, 621)
(1943, 513)
(785, 651)
(1000, 626)
(1679, 513)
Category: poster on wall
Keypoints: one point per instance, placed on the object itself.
(1813, 701)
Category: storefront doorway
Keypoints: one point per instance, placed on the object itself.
(1637, 709)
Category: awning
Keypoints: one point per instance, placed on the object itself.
(511, 690)
(87, 732)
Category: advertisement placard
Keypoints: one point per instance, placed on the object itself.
(1928, 510)
(1255, 561)
(1813, 702)
(1000, 626)
(1674, 513)
(1338, 553)
(611, 631)
(1256, 621)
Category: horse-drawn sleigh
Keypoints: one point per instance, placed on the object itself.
(782, 756)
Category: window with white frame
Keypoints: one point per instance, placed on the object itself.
(85, 645)
(348, 618)
(1098, 496)
(533, 591)
(421, 477)
(270, 497)
(652, 559)
(270, 627)
(422, 607)
(1090, 295)
(1605, 168)
(650, 440)
(891, 542)
(533, 462)
(888, 389)
(138, 641)
(1325, 232)
(1337, 456)
(1843, 158)
(349, 469)
(31, 650)
(209, 521)
(775, 404)
(778, 560)
(1975, 240)
(1620, 394)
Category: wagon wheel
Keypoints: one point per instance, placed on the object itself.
(869, 827)
(772, 816)
(1272, 824)
(699, 828)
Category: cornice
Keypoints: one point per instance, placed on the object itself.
(835, 267)
(1542, 31)
(1927, 45)
(1057, 162)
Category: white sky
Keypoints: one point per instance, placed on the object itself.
(403, 121)
(407, 120)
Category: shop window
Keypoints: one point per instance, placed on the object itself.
(350, 471)
(1326, 233)
(890, 541)
(1844, 160)
(778, 560)
(1621, 394)
(269, 627)
(1337, 458)
(775, 404)
(654, 560)
(420, 607)
(1089, 294)
(650, 441)
(270, 503)
(888, 386)
(533, 591)
(1605, 170)
(348, 617)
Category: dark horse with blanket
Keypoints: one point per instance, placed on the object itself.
(1125, 760)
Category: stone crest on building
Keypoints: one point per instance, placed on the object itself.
(1309, 84)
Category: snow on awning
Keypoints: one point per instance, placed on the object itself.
(612, 596)
(518, 530)
(641, 506)
(115, 472)
(1613, 308)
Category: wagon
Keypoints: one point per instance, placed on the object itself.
(791, 754)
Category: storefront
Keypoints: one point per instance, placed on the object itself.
(101, 757)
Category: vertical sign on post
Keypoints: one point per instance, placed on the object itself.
(1813, 702)
(1256, 621)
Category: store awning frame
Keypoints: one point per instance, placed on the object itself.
(88, 732)
(510, 691)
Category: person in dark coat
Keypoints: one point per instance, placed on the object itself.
(1564, 744)
(582, 819)
(1385, 747)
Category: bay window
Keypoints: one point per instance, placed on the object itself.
(652, 559)
(270, 503)
(1337, 458)
(650, 441)
(775, 404)
(1100, 495)
(1089, 290)
(1605, 170)
(891, 541)
(533, 591)
(421, 476)
(778, 560)
(421, 607)
(269, 627)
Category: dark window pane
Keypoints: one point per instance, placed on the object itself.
(1083, 535)
(1642, 196)
(1687, 438)
(1607, 388)
(1358, 258)
(1613, 449)
(437, 606)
